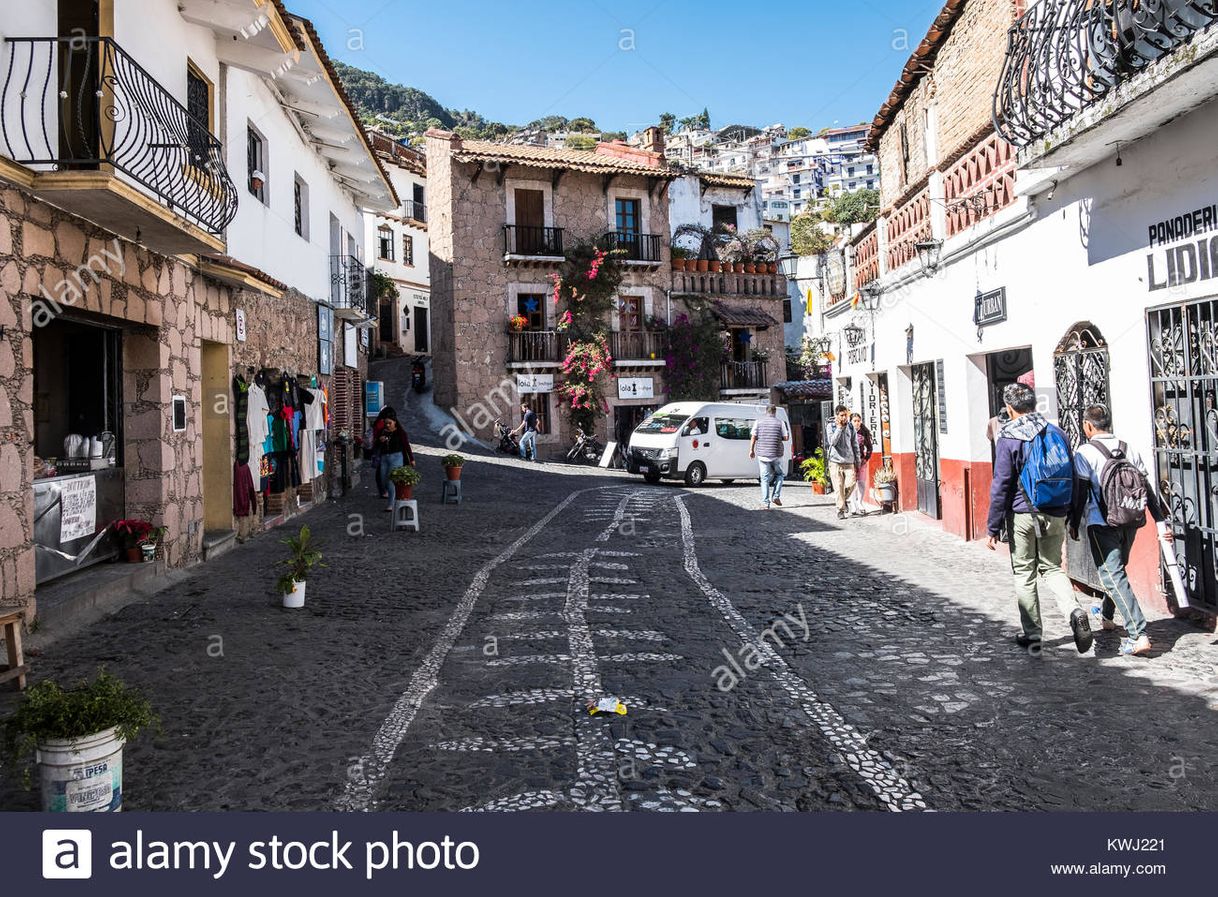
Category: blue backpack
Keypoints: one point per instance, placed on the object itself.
(1048, 470)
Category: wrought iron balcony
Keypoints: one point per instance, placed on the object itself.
(349, 286)
(743, 375)
(1064, 56)
(527, 346)
(520, 239)
(82, 103)
(636, 345)
(414, 211)
(633, 247)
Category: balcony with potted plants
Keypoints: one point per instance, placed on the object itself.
(726, 263)
(530, 348)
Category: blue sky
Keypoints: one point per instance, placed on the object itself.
(623, 62)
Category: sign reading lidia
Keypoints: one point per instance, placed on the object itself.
(1194, 259)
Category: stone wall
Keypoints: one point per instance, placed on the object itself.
(52, 262)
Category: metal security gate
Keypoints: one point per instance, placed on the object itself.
(1184, 392)
(1080, 372)
(926, 439)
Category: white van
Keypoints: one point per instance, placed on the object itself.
(699, 440)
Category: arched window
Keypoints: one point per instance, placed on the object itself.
(1080, 368)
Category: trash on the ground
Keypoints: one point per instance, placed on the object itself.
(607, 705)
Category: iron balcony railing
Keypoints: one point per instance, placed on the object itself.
(743, 375)
(349, 283)
(415, 211)
(78, 103)
(535, 345)
(1064, 56)
(521, 239)
(636, 345)
(633, 247)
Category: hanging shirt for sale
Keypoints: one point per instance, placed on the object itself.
(241, 418)
(258, 424)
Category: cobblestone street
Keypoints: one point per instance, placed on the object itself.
(782, 661)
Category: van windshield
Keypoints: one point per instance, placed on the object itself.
(662, 423)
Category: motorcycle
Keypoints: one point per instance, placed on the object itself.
(509, 444)
(587, 450)
(418, 376)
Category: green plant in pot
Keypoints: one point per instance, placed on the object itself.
(303, 556)
(885, 482)
(404, 479)
(76, 736)
(816, 471)
(452, 465)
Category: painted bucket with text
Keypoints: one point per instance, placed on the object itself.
(84, 775)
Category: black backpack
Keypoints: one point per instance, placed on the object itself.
(1123, 489)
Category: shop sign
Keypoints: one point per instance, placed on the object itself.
(990, 308)
(241, 325)
(942, 396)
(527, 384)
(374, 397)
(859, 354)
(1195, 259)
(78, 508)
(636, 388)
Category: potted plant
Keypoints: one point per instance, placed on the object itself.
(885, 482)
(76, 736)
(452, 465)
(816, 472)
(151, 542)
(679, 258)
(302, 558)
(131, 533)
(404, 479)
(517, 323)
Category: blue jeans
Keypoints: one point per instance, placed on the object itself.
(772, 476)
(528, 445)
(389, 463)
(1110, 549)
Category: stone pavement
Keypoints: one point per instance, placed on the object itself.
(769, 660)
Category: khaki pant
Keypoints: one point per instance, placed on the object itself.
(843, 478)
(1036, 554)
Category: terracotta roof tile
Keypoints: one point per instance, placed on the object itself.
(741, 317)
(555, 157)
(716, 179)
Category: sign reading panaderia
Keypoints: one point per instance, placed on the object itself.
(1194, 259)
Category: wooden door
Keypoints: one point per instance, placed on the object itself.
(530, 222)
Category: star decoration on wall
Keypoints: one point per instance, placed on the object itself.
(531, 305)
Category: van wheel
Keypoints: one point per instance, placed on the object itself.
(695, 476)
(727, 482)
(652, 478)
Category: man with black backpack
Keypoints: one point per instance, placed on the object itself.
(1031, 496)
(1115, 492)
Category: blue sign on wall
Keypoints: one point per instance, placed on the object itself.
(374, 397)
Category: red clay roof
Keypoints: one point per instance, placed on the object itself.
(551, 157)
(915, 68)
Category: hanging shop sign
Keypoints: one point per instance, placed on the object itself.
(78, 508)
(241, 325)
(636, 388)
(374, 397)
(989, 308)
(1183, 249)
(885, 420)
(325, 341)
(942, 396)
(527, 384)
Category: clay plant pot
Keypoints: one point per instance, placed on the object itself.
(703, 265)
(750, 268)
(134, 555)
(403, 491)
(453, 473)
(772, 267)
(738, 267)
(716, 266)
(818, 488)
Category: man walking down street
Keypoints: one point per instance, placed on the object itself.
(527, 431)
(1030, 499)
(767, 446)
(1115, 493)
(844, 460)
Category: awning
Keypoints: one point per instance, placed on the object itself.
(806, 389)
(735, 316)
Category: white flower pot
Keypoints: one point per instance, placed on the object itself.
(886, 493)
(296, 597)
(82, 775)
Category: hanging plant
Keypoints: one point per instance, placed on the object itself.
(587, 281)
(695, 352)
(586, 368)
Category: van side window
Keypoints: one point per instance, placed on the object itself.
(699, 426)
(734, 428)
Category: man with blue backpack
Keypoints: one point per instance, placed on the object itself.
(1030, 500)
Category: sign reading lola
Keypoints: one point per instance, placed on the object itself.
(1170, 265)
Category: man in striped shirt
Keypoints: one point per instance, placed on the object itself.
(766, 446)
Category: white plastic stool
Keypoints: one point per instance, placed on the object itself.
(451, 492)
(403, 521)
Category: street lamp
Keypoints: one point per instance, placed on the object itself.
(854, 334)
(928, 254)
(788, 264)
(870, 294)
